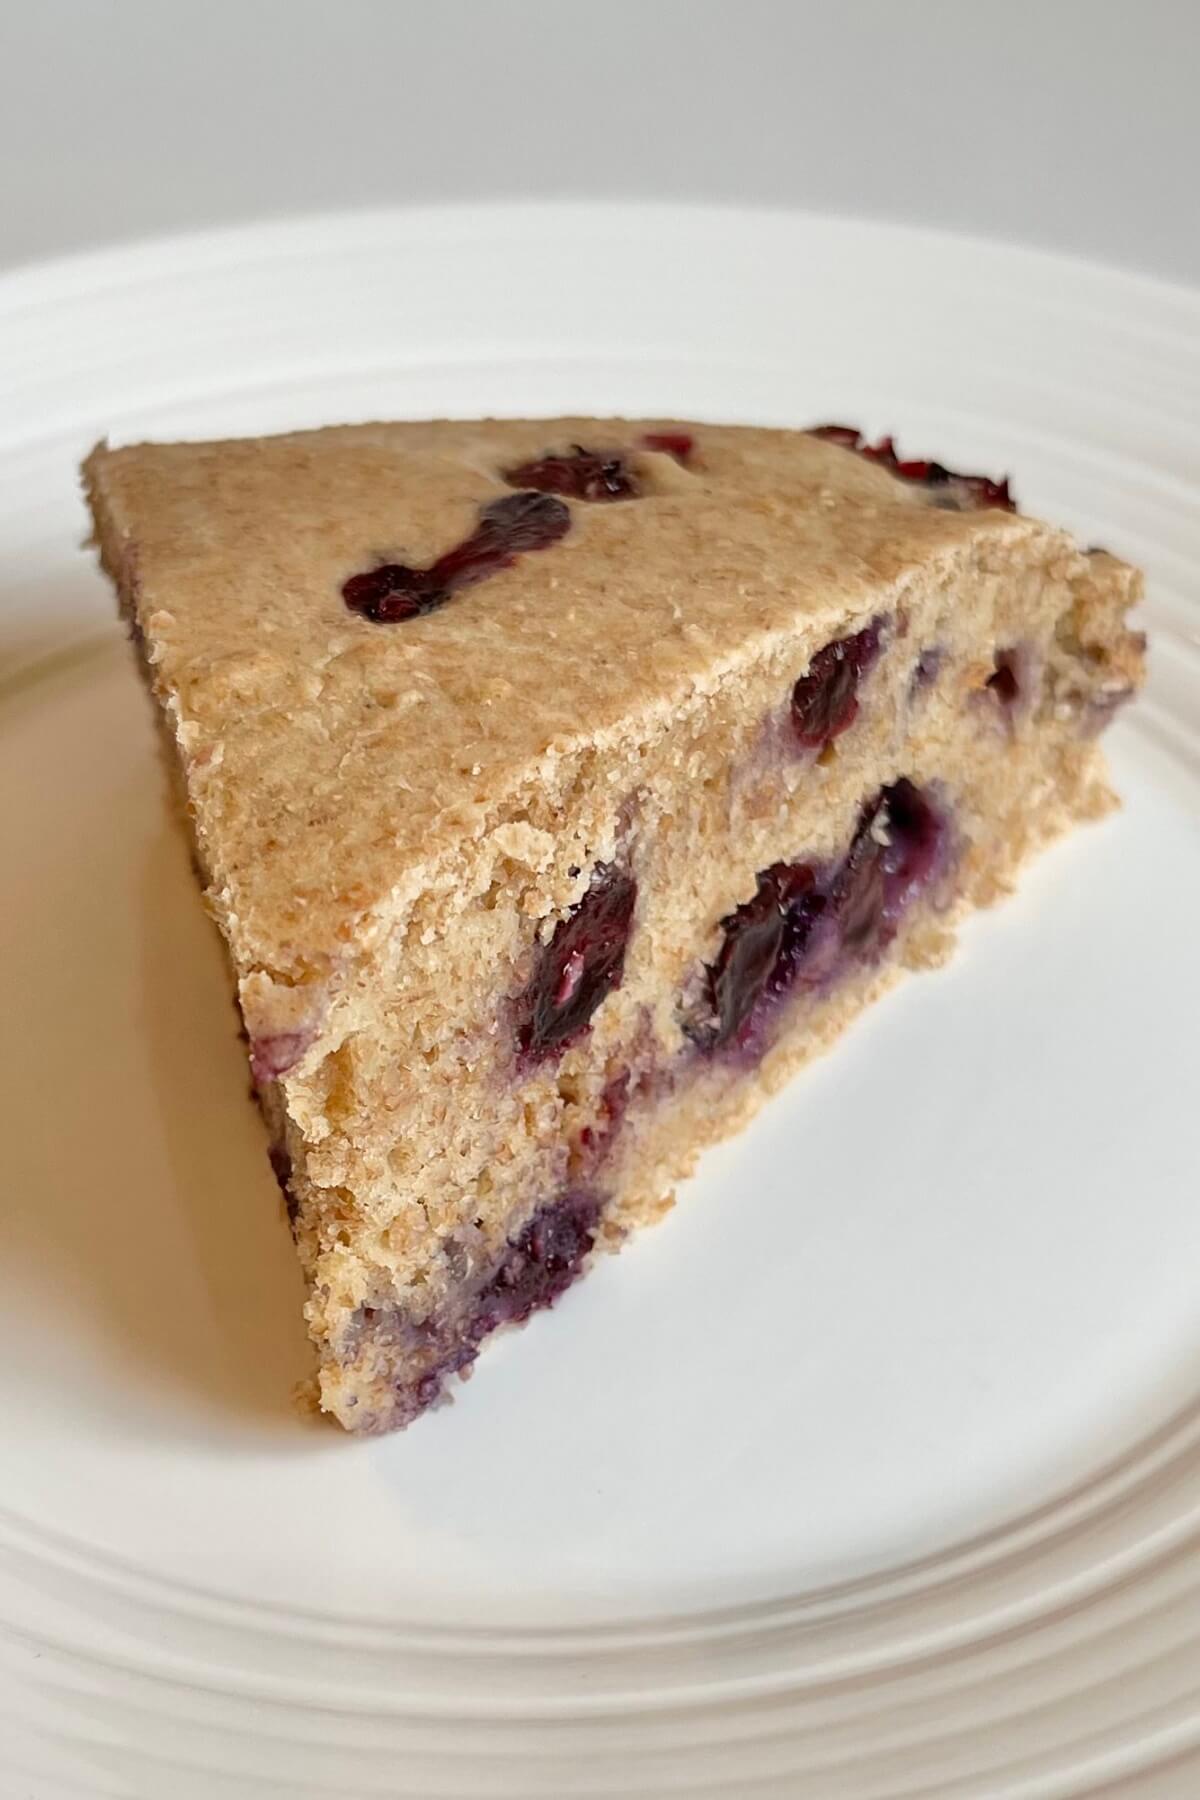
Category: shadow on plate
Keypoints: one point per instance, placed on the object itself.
(146, 1221)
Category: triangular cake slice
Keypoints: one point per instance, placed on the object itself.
(559, 786)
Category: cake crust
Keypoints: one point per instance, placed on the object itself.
(533, 885)
(356, 750)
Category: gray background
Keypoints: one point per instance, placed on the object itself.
(1057, 122)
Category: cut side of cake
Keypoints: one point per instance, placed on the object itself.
(559, 787)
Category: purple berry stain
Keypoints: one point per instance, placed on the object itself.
(596, 475)
(539, 1263)
(595, 1139)
(507, 528)
(891, 855)
(582, 963)
(1005, 680)
(753, 953)
(810, 925)
(534, 1268)
(961, 493)
(578, 474)
(679, 444)
(825, 700)
(281, 1168)
(926, 670)
(277, 1053)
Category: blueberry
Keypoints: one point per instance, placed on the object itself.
(579, 474)
(825, 700)
(507, 528)
(580, 966)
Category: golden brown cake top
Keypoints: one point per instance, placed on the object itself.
(327, 753)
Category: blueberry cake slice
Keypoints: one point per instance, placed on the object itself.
(559, 786)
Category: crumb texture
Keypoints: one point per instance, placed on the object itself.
(560, 786)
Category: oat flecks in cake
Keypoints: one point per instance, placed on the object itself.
(533, 897)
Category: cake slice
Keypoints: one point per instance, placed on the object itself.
(559, 786)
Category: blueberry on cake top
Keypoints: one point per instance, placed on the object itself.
(559, 786)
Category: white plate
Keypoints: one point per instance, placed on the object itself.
(874, 1471)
